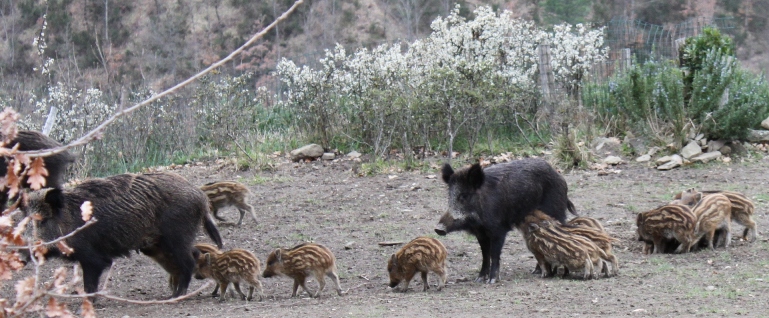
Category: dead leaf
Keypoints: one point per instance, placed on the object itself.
(36, 174)
(64, 248)
(86, 309)
(56, 309)
(86, 210)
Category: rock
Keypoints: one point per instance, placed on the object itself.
(728, 160)
(737, 148)
(765, 124)
(715, 145)
(637, 144)
(643, 158)
(758, 135)
(699, 137)
(349, 245)
(354, 154)
(603, 144)
(675, 161)
(702, 142)
(310, 151)
(612, 160)
(708, 156)
(664, 160)
(328, 156)
(691, 150)
(653, 151)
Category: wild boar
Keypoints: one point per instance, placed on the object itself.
(487, 203)
(666, 223)
(742, 208)
(55, 164)
(600, 238)
(158, 214)
(713, 212)
(586, 222)
(234, 266)
(553, 249)
(229, 193)
(422, 254)
(301, 261)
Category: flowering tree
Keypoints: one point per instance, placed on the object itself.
(451, 83)
(574, 53)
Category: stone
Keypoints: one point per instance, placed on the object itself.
(328, 156)
(637, 144)
(653, 151)
(691, 150)
(604, 144)
(765, 124)
(675, 161)
(708, 156)
(354, 154)
(737, 148)
(644, 158)
(715, 145)
(310, 151)
(612, 160)
(349, 245)
(699, 137)
(758, 135)
(703, 142)
(664, 160)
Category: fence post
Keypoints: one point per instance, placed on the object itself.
(544, 72)
(50, 121)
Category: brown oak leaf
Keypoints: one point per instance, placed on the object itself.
(37, 173)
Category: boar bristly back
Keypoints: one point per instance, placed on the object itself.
(158, 214)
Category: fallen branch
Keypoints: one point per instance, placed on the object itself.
(105, 294)
(390, 243)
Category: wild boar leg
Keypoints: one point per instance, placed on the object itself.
(485, 244)
(237, 289)
(321, 284)
(92, 266)
(496, 251)
(425, 286)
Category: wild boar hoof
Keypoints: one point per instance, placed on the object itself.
(440, 232)
(480, 279)
(492, 281)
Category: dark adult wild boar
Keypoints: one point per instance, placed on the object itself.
(56, 164)
(158, 214)
(489, 202)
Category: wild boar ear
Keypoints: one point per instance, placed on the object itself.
(698, 196)
(208, 258)
(394, 261)
(55, 199)
(533, 226)
(277, 255)
(447, 172)
(475, 176)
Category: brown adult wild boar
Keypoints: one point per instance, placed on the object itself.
(487, 203)
(422, 254)
(158, 214)
(55, 164)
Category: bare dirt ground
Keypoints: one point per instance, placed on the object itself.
(329, 204)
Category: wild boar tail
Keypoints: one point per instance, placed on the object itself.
(213, 233)
(571, 207)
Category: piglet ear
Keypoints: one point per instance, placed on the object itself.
(475, 176)
(277, 255)
(394, 261)
(447, 172)
(208, 258)
(698, 196)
